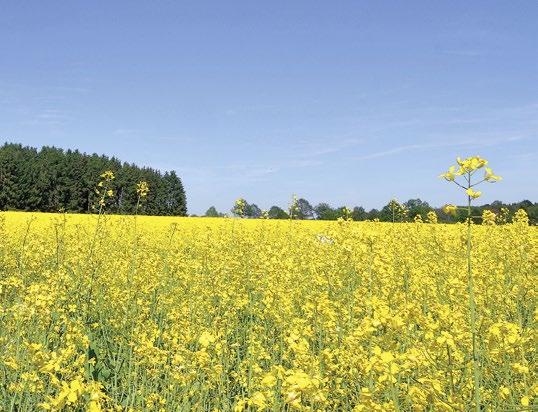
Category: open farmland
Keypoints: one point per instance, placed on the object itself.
(163, 313)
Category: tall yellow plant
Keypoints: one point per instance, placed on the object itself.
(104, 191)
(465, 171)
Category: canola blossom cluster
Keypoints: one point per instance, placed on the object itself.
(467, 168)
(168, 314)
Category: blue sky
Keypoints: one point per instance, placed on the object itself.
(344, 102)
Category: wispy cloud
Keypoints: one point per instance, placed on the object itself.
(465, 52)
(525, 156)
(52, 114)
(327, 147)
(174, 139)
(475, 142)
(304, 155)
(125, 131)
(49, 117)
(393, 151)
(74, 89)
(261, 171)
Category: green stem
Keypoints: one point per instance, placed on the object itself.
(90, 260)
(472, 305)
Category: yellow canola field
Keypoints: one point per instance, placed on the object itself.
(161, 313)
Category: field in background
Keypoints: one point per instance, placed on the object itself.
(162, 313)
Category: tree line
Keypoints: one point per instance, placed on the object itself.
(393, 211)
(51, 180)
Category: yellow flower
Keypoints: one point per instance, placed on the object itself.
(269, 381)
(470, 164)
(490, 177)
(108, 175)
(142, 189)
(431, 217)
(240, 207)
(75, 390)
(241, 405)
(387, 357)
(488, 217)
(450, 175)
(69, 394)
(94, 406)
(519, 368)
(258, 400)
(504, 392)
(472, 194)
(476, 162)
(206, 339)
(450, 209)
(521, 217)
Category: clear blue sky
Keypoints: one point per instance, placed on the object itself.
(345, 102)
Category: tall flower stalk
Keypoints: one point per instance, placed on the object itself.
(240, 207)
(466, 169)
(142, 190)
(104, 191)
(293, 210)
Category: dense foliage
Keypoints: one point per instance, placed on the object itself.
(167, 314)
(51, 179)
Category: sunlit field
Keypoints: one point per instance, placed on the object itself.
(162, 313)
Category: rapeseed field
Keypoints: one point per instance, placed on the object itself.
(125, 313)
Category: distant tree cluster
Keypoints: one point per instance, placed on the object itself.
(504, 211)
(212, 212)
(51, 179)
(393, 211)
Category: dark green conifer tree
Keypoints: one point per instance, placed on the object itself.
(51, 179)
